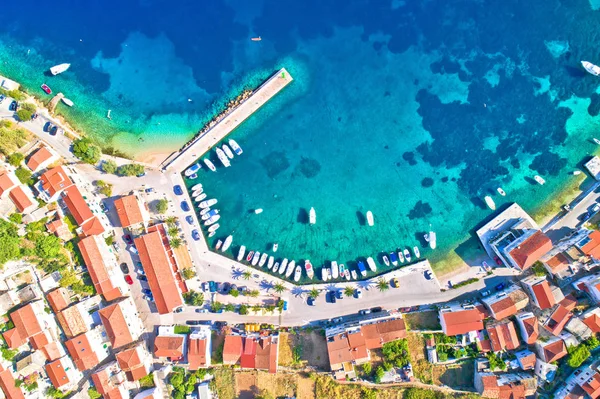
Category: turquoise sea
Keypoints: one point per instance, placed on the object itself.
(413, 110)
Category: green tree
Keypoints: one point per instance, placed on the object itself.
(216, 307)
(244, 310)
(25, 111)
(109, 166)
(383, 285)
(106, 190)
(173, 231)
(8, 354)
(314, 293)
(253, 293)
(171, 221)
(48, 246)
(592, 342)
(131, 169)
(176, 243)
(538, 269)
(161, 206)
(496, 361)
(86, 150)
(93, 393)
(24, 175)
(256, 308)
(16, 218)
(396, 352)
(379, 373)
(229, 307)
(577, 355)
(349, 291)
(188, 273)
(15, 159)
(420, 393)
(234, 292)
(247, 275)
(270, 308)
(193, 298)
(279, 288)
(368, 393)
(367, 368)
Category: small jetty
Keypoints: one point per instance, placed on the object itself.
(235, 115)
(54, 102)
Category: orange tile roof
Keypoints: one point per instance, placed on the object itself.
(58, 299)
(504, 307)
(569, 302)
(38, 158)
(82, 353)
(592, 247)
(166, 346)
(57, 374)
(25, 321)
(77, 205)
(105, 386)
(7, 383)
(232, 349)
(159, 272)
(6, 182)
(532, 329)
(554, 351)
(13, 339)
(41, 339)
(503, 336)
(94, 262)
(592, 386)
(462, 321)
(531, 250)
(556, 322)
(382, 332)
(131, 363)
(558, 263)
(197, 353)
(128, 210)
(593, 322)
(72, 322)
(543, 295)
(528, 361)
(92, 227)
(20, 199)
(266, 354)
(55, 180)
(115, 325)
(53, 351)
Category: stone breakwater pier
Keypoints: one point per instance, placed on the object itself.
(218, 129)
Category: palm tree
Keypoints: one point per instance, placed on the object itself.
(349, 291)
(314, 293)
(173, 232)
(175, 242)
(279, 288)
(256, 308)
(171, 220)
(270, 308)
(247, 274)
(383, 285)
(253, 293)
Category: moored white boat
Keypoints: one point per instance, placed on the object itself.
(370, 220)
(372, 265)
(192, 169)
(284, 265)
(591, 68)
(255, 258)
(241, 253)
(250, 256)
(210, 165)
(210, 214)
(297, 273)
(346, 272)
(342, 268)
(417, 252)
(263, 259)
(227, 151)
(212, 220)
(207, 203)
(354, 275)
(204, 211)
(196, 193)
(196, 187)
(222, 157)
(539, 180)
(290, 268)
(312, 216)
(400, 257)
(407, 255)
(361, 268)
(60, 68)
(334, 269)
(596, 141)
(501, 192)
(270, 262)
(386, 260)
(431, 238)
(328, 273)
(490, 202)
(235, 147)
(275, 247)
(227, 243)
(323, 274)
(310, 272)
(275, 267)
(200, 197)
(258, 211)
(212, 233)
(67, 102)
(214, 228)
(219, 243)
(576, 172)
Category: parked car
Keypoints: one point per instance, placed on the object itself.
(427, 275)
(146, 291)
(486, 293)
(116, 246)
(395, 283)
(179, 309)
(189, 219)
(358, 293)
(337, 320)
(220, 324)
(226, 288)
(128, 279)
(127, 238)
(47, 127)
(201, 310)
(142, 277)
(310, 301)
(376, 309)
(177, 190)
(13, 106)
(148, 298)
(193, 322)
(140, 270)
(53, 130)
(1, 98)
(595, 208)
(212, 287)
(124, 268)
(149, 190)
(133, 250)
(500, 287)
(184, 206)
(195, 235)
(364, 312)
(103, 207)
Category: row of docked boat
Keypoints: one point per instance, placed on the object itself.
(224, 153)
(285, 268)
(208, 214)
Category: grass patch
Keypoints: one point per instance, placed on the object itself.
(223, 383)
(448, 264)
(464, 283)
(181, 329)
(422, 320)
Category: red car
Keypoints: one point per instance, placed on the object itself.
(46, 89)
(128, 279)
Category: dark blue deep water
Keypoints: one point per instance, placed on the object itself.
(414, 110)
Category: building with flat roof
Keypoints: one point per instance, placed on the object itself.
(121, 322)
(593, 166)
(160, 267)
(131, 211)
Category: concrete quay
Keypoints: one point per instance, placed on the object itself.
(204, 142)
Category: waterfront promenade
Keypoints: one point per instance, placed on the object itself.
(205, 141)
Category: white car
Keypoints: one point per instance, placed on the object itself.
(133, 250)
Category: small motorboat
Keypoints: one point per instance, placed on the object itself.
(227, 151)
(490, 202)
(501, 192)
(204, 211)
(227, 243)
(297, 273)
(256, 39)
(394, 258)
(431, 238)
(241, 253)
(342, 270)
(207, 203)
(324, 274)
(334, 269)
(283, 266)
(212, 220)
(370, 220)
(46, 89)
(310, 272)
(417, 252)
(235, 147)
(255, 258)
(210, 165)
(263, 259)
(329, 276)
(258, 211)
(214, 228)
(194, 176)
(591, 68)
(196, 187)
(212, 233)
(290, 268)
(539, 180)
(312, 216)
(372, 265)
(270, 262)
(576, 172)
(67, 102)
(249, 257)
(275, 267)
(275, 247)
(192, 170)
(596, 141)
(346, 272)
(60, 68)
(386, 260)
(361, 268)
(354, 275)
(200, 197)
(218, 246)
(407, 255)
(210, 214)
(196, 193)
(222, 157)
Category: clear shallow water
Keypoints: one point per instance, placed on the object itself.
(414, 112)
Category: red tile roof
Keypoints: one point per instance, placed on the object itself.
(115, 325)
(92, 227)
(532, 330)
(105, 386)
(554, 351)
(531, 250)
(592, 247)
(77, 205)
(558, 263)
(592, 386)
(55, 180)
(13, 339)
(82, 353)
(6, 182)
(266, 354)
(168, 346)
(569, 302)
(232, 349)
(556, 322)
(53, 351)
(380, 333)
(503, 336)
(131, 363)
(20, 199)
(7, 383)
(58, 299)
(159, 272)
(38, 158)
(94, 262)
(593, 322)
(543, 295)
(503, 307)
(197, 353)
(462, 321)
(528, 361)
(40, 340)
(128, 210)
(26, 322)
(57, 374)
